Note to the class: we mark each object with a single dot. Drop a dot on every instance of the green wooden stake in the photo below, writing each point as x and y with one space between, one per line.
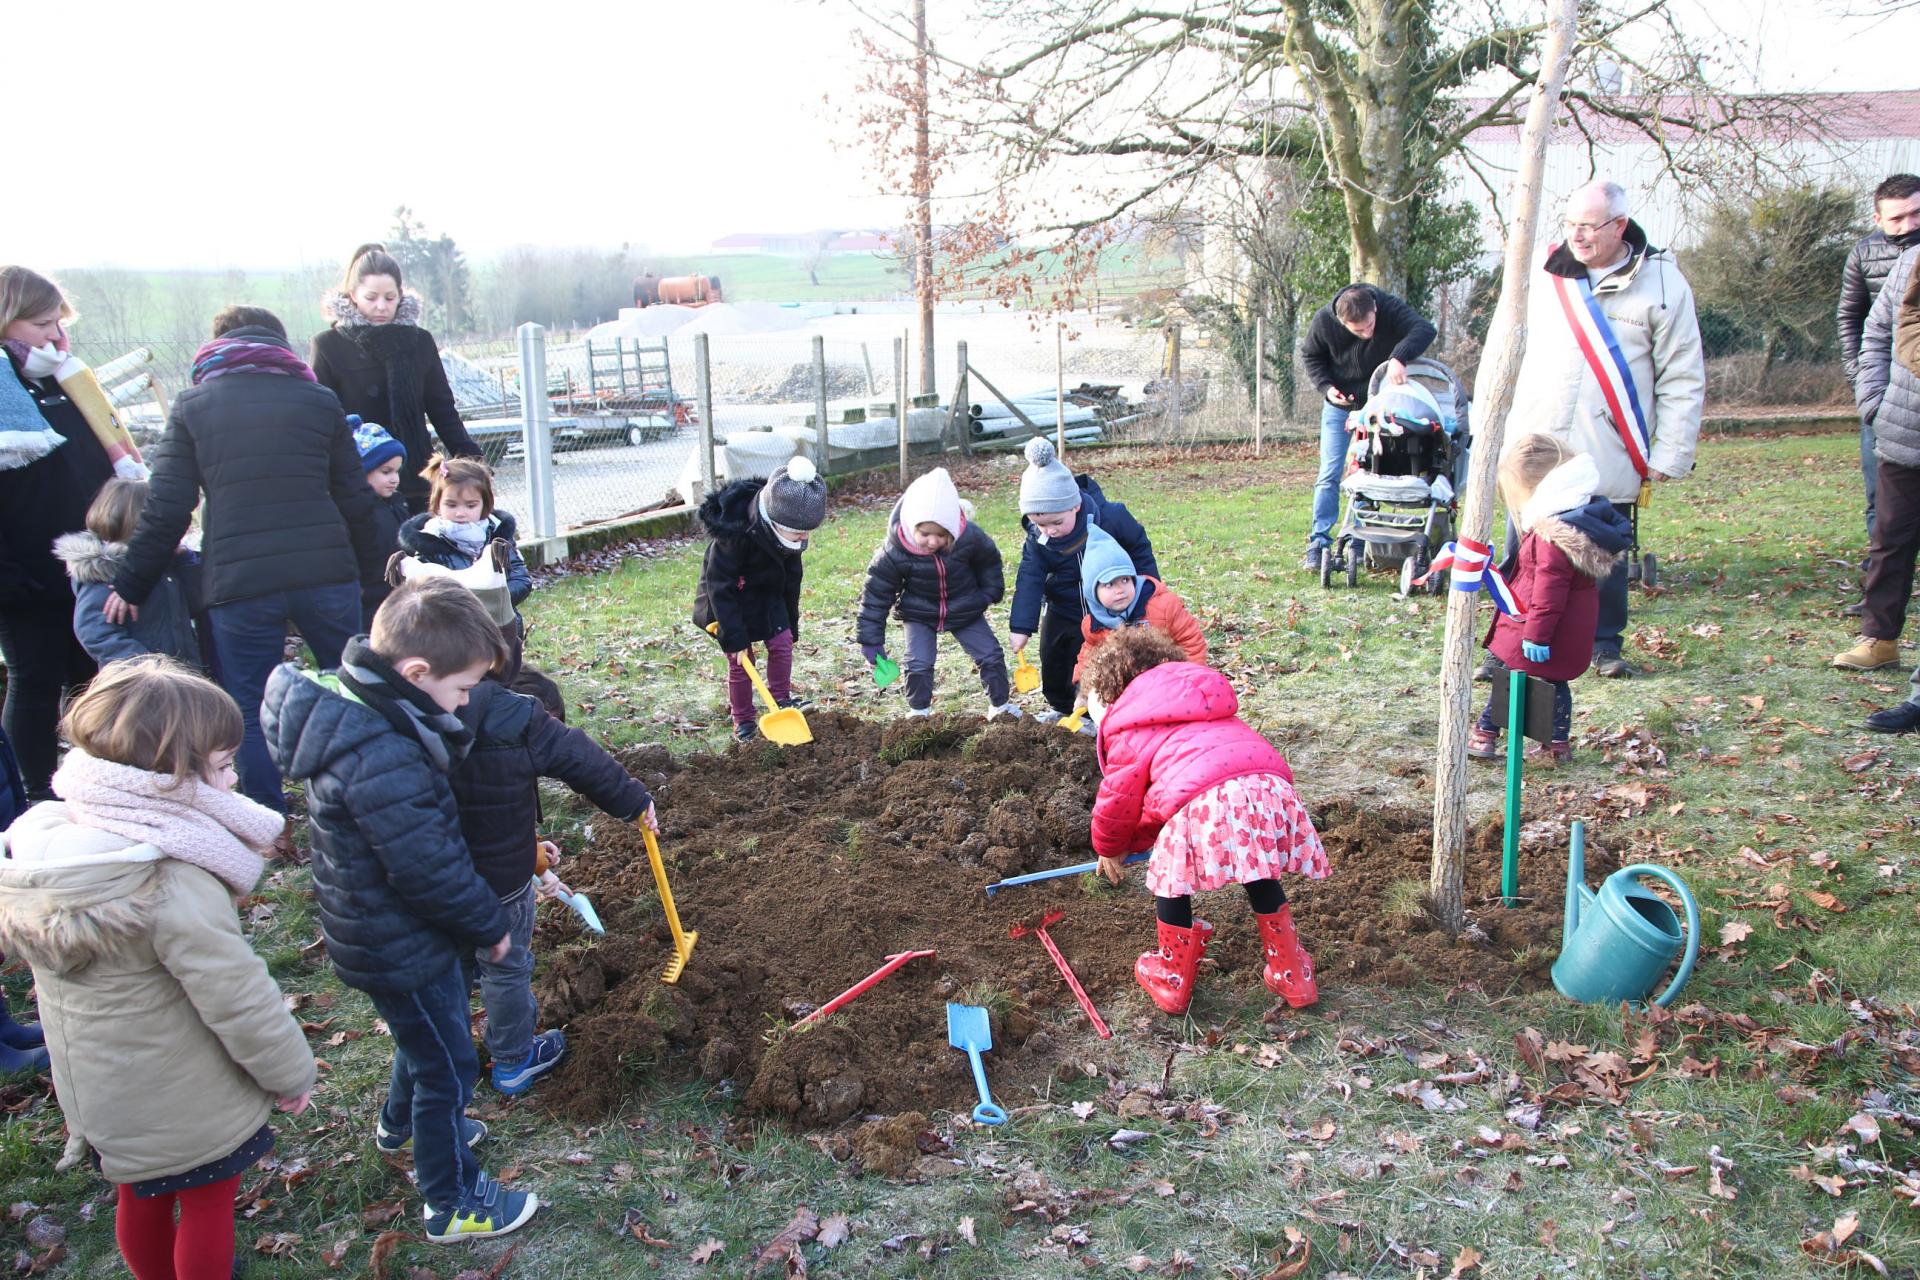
1516 747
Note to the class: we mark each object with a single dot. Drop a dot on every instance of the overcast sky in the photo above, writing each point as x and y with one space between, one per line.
264 136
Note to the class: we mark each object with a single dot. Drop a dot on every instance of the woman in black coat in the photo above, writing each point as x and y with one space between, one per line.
47 481
386 368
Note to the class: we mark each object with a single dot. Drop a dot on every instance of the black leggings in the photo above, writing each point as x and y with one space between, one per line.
1265 896
45 665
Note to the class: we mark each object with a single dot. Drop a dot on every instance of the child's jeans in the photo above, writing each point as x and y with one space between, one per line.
977 641
778 675
434 1068
1562 709
506 987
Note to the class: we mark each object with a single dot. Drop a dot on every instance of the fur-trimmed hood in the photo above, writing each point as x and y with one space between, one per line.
1594 537
342 314
728 512
87 558
69 894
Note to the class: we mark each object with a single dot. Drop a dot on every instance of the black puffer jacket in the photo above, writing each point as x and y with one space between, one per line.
44 499
399 898
749 582
516 743
388 515
1860 281
944 591
416 541
287 500
348 360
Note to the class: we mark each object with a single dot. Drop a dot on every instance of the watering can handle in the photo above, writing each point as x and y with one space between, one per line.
1679 886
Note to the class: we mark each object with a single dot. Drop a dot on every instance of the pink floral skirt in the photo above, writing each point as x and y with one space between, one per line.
1244 829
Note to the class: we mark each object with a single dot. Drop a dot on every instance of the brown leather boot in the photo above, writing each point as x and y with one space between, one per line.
1868 655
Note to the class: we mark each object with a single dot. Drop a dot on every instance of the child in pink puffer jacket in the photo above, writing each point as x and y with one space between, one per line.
1183 773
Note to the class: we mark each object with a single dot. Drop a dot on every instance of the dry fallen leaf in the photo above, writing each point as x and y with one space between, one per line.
707 1251
805 1225
1286 1265
1467 1260
1865 1125
966 1231
834 1231
1823 899
1734 932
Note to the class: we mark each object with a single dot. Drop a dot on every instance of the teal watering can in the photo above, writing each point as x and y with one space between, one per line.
1619 941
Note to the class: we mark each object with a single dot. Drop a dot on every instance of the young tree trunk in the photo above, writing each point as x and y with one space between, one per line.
1493 397
923 196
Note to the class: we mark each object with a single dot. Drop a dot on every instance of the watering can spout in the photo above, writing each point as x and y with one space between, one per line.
1577 892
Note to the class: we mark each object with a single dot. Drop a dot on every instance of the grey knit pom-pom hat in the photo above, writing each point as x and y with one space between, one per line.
796 496
1046 486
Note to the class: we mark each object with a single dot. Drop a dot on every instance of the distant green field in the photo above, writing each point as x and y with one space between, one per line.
171 310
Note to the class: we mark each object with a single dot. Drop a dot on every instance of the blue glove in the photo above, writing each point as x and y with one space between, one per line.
1535 652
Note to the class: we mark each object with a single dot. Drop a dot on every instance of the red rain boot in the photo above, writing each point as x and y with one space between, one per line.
1289 972
1167 974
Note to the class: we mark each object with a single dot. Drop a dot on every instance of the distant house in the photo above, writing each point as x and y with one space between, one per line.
1847 139
802 243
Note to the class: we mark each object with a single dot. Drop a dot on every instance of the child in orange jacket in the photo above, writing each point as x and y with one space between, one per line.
1117 595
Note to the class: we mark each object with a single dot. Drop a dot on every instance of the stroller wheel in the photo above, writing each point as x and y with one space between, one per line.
1326 566
1356 551
1649 571
1410 569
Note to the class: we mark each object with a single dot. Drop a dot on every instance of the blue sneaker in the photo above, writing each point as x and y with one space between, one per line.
392 1143
489 1210
548 1048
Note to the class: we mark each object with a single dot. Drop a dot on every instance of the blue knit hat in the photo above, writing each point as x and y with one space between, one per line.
1101 562
373 442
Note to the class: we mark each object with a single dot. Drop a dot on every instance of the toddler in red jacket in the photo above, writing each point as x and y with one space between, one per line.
1570 542
1183 773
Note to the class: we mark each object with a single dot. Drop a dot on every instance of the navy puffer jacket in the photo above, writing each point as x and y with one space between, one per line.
501 527
398 894
1050 570
944 591
515 744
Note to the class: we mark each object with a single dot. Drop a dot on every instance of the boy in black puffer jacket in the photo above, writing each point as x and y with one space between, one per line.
749 590
937 571
1056 507
401 905
516 743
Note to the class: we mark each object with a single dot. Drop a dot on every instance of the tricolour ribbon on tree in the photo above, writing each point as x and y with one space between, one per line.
1473 568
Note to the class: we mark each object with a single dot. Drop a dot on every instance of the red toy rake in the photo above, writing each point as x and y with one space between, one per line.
860 987
1066 970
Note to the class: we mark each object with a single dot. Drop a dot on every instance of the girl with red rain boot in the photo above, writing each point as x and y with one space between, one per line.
1183 773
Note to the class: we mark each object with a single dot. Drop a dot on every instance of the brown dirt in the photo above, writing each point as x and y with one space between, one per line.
803 868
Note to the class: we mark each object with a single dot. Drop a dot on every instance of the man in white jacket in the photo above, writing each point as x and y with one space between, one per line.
1605 266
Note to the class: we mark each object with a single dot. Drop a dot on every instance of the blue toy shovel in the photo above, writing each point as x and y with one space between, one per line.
967 1029
577 902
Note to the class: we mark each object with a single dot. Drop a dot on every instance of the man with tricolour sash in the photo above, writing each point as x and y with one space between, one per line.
1613 367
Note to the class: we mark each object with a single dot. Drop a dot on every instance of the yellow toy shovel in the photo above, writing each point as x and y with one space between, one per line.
1072 723
783 725
1026 676
682 941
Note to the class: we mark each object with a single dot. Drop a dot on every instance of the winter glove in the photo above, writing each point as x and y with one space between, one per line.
873 652
1535 652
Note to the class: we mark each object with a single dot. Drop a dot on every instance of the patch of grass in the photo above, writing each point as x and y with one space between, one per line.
1405 901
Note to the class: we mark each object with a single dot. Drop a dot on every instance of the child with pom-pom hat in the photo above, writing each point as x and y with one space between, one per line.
1056 510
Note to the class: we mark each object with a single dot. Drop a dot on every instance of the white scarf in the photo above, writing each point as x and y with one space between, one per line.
1567 487
471 538
779 537
43 362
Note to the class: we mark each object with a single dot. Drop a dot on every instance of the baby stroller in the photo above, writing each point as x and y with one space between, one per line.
1405 465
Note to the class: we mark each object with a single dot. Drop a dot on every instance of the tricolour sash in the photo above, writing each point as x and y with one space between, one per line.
1601 349
1472 565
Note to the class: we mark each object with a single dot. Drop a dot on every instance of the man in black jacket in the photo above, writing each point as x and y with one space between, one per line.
1896 221
289 524
1362 328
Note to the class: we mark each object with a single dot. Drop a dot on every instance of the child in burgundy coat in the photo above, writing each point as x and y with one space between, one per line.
1214 799
1571 540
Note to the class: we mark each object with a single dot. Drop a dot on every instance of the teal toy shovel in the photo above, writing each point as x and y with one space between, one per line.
967 1029
885 672
584 909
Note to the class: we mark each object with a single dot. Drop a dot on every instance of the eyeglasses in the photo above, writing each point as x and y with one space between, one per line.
1588 227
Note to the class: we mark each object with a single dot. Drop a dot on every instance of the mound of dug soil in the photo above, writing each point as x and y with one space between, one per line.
804 868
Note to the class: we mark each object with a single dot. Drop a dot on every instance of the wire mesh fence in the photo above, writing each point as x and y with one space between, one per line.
625 404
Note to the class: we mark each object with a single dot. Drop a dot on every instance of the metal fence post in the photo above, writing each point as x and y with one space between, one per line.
1060 388
900 400
963 398
703 392
536 433
1259 380
1173 376
820 403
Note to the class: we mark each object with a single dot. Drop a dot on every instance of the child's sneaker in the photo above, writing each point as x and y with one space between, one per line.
548 1048
1559 750
794 702
919 713
1046 715
746 731
1483 744
1007 709
490 1210
393 1143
